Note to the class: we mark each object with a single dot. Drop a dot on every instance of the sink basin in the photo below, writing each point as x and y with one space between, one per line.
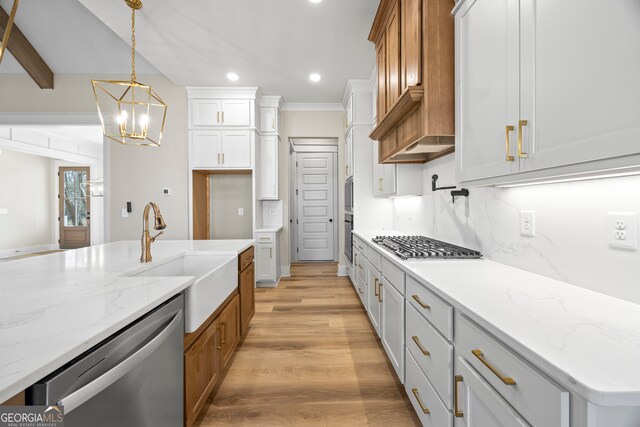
216 278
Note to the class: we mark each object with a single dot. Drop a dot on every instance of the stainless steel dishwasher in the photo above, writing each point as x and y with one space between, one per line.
132 379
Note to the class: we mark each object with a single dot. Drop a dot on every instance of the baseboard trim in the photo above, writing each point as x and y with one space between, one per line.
6 253
286 270
268 284
342 270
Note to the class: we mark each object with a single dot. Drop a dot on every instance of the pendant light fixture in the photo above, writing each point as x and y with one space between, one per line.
131 113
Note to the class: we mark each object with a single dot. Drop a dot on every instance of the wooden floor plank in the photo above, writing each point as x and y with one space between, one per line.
311 358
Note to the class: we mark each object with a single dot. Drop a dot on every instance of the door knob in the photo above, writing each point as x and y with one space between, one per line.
330 220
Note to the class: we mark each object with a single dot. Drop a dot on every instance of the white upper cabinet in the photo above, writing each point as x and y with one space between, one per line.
390 180
348 155
219 112
220 149
268 120
541 96
269 167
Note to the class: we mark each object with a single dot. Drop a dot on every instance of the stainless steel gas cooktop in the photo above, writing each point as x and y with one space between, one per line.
420 247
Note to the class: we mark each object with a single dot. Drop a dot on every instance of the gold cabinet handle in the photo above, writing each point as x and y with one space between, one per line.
376 290
422 349
346 170
379 291
419 301
416 393
456 397
521 154
270 252
223 117
380 184
503 378
510 158
223 158
273 124
224 333
217 116
218 158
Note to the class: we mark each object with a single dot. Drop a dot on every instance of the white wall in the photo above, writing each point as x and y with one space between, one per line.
228 193
135 174
312 124
570 242
25 183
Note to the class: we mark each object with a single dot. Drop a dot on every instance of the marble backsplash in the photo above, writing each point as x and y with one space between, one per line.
570 220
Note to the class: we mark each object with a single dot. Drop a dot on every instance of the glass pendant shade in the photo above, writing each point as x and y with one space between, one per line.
131 113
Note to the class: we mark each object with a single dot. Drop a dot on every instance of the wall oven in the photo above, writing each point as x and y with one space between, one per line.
348 238
348 195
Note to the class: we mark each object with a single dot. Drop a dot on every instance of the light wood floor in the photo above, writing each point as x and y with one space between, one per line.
311 358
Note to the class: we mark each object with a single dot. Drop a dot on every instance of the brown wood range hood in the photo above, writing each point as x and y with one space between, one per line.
415 60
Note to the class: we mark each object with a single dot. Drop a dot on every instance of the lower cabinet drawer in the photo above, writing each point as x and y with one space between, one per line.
265 237
425 401
431 351
432 307
393 274
536 397
374 257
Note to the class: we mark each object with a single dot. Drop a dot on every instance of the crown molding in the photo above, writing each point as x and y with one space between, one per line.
299 106
271 101
355 86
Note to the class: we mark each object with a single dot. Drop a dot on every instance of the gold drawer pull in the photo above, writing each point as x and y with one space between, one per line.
379 291
510 158
456 397
416 393
422 349
224 333
419 301
521 154
218 117
376 290
503 378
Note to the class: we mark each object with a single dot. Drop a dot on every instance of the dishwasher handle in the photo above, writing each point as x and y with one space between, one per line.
80 396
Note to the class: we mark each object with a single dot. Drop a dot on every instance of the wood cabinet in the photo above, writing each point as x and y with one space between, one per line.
229 320
246 286
220 149
415 92
201 370
537 96
219 112
268 167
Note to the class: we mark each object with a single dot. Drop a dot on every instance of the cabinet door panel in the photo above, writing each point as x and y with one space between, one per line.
411 21
204 112
580 87
393 326
265 262
487 82
247 298
201 367
268 119
392 36
348 155
269 167
378 173
205 149
236 112
375 313
236 149
229 330
482 406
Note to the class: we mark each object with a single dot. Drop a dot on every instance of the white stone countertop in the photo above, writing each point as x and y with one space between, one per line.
587 341
55 307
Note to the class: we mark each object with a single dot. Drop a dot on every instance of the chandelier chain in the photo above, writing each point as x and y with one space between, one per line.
133 44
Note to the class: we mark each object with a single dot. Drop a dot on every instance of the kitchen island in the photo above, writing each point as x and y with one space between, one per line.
55 307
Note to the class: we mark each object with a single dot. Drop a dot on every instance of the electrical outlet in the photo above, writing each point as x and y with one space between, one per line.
241 211
125 214
527 223
622 230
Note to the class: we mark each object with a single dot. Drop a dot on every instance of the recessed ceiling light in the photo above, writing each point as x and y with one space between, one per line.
315 1
233 77
315 77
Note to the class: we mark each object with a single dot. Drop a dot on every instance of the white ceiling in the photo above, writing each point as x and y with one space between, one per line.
71 40
274 44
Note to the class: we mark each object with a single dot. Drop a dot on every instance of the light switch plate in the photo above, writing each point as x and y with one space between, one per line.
622 230
241 211
125 214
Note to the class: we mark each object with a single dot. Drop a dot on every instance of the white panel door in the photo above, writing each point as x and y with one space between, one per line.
316 199
393 326
580 88
204 112
205 149
236 149
269 167
487 87
268 119
480 404
236 112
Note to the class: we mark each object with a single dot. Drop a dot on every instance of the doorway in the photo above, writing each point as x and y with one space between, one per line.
314 204
74 207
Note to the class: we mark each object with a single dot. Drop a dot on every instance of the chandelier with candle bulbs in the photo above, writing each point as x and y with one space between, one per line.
131 113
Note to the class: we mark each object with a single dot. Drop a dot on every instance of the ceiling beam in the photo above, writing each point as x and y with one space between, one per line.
26 54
